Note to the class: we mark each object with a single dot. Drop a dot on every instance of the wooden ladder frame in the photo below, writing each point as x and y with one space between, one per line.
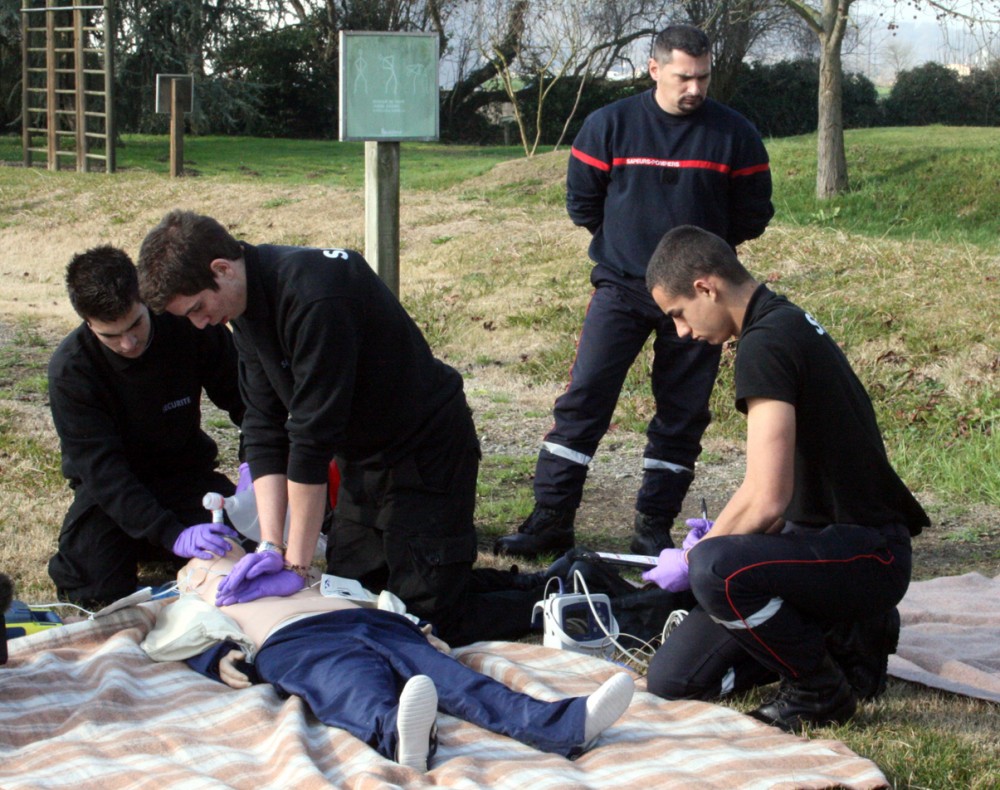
67 85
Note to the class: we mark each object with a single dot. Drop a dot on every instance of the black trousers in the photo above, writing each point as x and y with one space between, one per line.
619 320
409 528
767 602
97 561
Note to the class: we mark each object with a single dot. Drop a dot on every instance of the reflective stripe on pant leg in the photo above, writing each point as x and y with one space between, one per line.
650 464
566 453
664 486
701 660
612 336
776 593
754 620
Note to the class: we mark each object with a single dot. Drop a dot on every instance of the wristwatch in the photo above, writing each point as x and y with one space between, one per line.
266 545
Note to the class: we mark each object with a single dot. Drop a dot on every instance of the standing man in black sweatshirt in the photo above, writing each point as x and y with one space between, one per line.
125 392
332 367
669 156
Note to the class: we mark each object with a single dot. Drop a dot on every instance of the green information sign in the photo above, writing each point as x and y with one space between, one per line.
388 86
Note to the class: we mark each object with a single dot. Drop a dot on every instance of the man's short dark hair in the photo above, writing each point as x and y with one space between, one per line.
687 38
102 284
688 252
176 257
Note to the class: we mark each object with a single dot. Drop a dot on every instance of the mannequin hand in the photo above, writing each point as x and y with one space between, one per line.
203 541
230 675
671 571
698 527
244 481
280 584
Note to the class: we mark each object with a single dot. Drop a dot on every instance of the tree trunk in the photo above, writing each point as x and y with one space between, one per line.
831 158
463 98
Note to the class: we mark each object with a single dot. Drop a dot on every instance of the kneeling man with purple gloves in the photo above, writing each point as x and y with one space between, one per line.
798 578
125 392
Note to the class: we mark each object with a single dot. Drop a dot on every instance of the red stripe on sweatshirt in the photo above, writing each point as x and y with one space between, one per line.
650 161
749 171
587 159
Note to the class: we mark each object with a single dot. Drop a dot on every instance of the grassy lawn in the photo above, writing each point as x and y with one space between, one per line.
933 183
292 162
903 270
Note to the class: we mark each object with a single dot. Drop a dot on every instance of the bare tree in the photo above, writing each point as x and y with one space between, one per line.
899 56
559 39
829 21
326 18
734 27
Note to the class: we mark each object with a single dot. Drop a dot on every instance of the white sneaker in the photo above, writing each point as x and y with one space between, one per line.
414 721
606 705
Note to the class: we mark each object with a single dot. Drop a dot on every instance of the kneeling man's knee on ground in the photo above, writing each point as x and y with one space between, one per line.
710 565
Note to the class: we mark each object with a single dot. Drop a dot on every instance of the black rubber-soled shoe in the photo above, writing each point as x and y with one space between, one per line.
862 651
652 535
546 531
823 699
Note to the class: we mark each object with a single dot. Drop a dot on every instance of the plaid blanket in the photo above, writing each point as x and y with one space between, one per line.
81 706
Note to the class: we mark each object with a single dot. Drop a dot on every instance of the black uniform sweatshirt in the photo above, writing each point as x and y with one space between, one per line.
636 171
842 471
330 364
124 423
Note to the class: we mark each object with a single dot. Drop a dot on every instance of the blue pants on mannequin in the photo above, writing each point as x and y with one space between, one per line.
349 667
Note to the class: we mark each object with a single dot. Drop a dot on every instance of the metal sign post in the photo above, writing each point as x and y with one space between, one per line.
388 93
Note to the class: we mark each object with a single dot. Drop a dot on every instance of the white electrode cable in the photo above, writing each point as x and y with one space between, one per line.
637 656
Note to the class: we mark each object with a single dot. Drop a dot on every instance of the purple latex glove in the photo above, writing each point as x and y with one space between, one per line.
671 571
244 481
698 527
203 541
249 568
282 583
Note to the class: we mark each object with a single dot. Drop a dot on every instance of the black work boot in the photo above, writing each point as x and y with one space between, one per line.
825 697
862 650
652 535
546 531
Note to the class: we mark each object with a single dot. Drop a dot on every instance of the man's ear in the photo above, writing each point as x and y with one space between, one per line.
221 267
706 286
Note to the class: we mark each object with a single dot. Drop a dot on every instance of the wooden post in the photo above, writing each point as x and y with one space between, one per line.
382 210
80 91
176 130
26 35
51 97
110 160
